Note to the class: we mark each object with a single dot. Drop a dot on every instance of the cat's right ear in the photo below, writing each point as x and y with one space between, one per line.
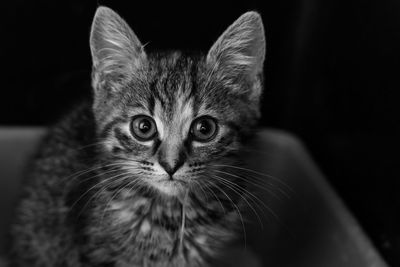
116 51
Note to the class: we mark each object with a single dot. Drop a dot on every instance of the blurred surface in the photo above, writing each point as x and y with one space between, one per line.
17 145
312 227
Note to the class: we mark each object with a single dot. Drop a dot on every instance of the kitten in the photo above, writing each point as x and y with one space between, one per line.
143 174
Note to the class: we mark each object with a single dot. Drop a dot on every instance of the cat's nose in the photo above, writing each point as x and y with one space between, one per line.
171 158
171 168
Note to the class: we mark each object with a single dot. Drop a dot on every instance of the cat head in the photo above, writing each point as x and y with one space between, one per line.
170 121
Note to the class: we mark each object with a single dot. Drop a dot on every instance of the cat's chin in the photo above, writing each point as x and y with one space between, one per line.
171 187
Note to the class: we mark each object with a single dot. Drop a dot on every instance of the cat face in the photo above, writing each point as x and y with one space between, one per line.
170 121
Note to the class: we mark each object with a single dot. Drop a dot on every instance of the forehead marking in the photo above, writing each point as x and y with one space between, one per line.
176 124
159 118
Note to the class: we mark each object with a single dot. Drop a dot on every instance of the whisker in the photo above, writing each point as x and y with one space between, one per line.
255 197
103 189
96 195
268 153
183 222
118 191
93 168
99 174
263 204
91 145
201 188
258 185
91 188
256 172
215 196
232 186
284 190
113 196
238 211
79 173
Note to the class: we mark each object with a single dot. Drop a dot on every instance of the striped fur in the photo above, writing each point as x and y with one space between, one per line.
125 210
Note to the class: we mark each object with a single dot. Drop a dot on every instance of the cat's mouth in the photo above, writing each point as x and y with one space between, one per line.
173 182
171 186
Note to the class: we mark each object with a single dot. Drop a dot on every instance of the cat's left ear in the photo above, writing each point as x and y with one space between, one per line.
240 50
116 50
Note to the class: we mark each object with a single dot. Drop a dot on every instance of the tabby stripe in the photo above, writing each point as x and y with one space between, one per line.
226 140
152 103
213 216
123 139
109 126
157 143
193 77
199 249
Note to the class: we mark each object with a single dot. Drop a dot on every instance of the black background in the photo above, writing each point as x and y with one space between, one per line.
332 78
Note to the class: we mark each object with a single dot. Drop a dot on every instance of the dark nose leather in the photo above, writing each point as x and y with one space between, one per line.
171 156
171 169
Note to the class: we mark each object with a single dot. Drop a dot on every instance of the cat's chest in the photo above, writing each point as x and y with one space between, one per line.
158 230
144 216
140 231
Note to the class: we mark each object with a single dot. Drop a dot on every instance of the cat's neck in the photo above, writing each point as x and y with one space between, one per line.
145 210
139 224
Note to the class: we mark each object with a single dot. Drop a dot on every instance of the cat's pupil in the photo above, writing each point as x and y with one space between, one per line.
144 126
204 127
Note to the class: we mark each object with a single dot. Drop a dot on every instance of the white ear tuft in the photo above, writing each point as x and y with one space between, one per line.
241 48
114 46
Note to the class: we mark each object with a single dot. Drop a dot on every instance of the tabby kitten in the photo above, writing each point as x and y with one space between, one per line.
142 175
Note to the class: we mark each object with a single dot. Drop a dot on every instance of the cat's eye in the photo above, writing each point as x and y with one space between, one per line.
143 128
204 129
